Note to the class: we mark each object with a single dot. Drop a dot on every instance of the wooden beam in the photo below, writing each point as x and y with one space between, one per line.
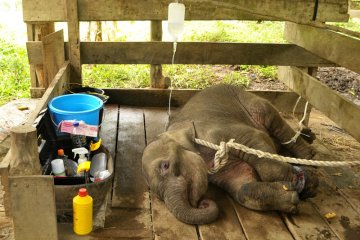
103 10
130 189
354 13
197 53
284 101
326 9
53 55
342 111
74 40
156 76
23 155
36 32
332 46
56 88
33 207
189 53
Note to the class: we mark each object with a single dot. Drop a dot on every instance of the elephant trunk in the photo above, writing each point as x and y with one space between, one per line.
176 200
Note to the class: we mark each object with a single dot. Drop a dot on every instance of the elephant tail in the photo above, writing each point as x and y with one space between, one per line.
177 201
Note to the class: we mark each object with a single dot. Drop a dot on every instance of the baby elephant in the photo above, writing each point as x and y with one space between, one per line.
176 168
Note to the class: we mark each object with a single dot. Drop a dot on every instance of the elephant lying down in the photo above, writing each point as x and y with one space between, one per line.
176 168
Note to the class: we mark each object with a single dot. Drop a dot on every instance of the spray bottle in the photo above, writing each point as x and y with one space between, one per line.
81 151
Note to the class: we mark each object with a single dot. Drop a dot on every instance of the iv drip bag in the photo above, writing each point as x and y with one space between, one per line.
176 16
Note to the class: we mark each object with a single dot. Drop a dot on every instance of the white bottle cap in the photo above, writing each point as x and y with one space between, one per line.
57 167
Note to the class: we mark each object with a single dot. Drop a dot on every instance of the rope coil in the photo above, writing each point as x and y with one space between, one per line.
221 158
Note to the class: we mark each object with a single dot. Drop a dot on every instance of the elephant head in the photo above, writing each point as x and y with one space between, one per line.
176 172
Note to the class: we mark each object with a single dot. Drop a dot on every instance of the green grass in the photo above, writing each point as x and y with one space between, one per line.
116 76
353 24
14 68
14 72
195 76
234 31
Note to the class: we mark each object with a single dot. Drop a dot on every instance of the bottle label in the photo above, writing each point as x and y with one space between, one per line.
68 126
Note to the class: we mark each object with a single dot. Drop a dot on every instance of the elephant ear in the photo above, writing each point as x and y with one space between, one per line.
182 133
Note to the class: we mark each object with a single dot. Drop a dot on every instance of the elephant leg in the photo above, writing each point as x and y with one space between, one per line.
270 170
239 180
282 132
265 196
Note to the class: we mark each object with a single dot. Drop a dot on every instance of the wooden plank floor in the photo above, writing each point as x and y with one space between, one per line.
137 214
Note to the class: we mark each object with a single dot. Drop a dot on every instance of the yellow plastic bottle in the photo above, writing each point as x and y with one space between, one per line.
83 211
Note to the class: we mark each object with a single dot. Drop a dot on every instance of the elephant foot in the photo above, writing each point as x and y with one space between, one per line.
267 196
305 182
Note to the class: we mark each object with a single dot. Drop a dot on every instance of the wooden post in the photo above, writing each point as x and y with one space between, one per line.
53 55
32 197
33 207
36 32
157 78
21 159
74 40
23 153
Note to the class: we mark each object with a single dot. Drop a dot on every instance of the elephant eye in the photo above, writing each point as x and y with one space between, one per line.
164 165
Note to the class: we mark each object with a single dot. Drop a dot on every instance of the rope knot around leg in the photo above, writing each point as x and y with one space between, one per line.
221 156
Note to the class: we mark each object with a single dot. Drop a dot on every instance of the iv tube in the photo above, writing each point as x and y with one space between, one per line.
176 16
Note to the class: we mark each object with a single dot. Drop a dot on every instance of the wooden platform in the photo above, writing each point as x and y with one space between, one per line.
137 214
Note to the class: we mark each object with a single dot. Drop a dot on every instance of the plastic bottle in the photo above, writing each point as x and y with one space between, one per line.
98 163
83 211
81 152
77 140
176 16
57 167
70 166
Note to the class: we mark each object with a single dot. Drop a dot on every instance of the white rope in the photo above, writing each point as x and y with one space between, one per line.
221 158
301 126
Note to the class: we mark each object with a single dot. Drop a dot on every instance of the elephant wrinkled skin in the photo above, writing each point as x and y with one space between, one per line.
176 168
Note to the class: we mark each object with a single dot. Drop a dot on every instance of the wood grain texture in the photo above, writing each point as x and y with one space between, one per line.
335 47
227 226
33 207
74 40
284 101
261 225
103 10
125 224
130 189
108 130
157 80
346 224
308 224
23 155
44 10
343 112
189 53
56 88
165 225
198 53
53 55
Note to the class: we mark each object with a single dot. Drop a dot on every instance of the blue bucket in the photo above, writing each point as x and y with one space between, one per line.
79 107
